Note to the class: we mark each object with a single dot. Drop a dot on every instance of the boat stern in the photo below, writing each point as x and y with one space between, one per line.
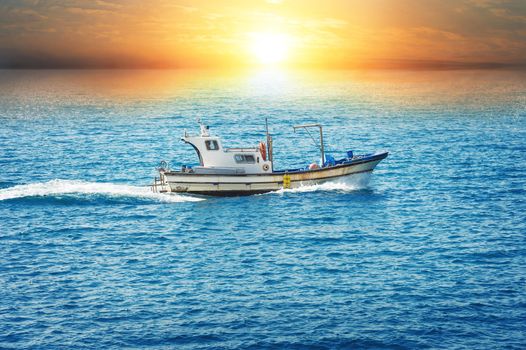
160 184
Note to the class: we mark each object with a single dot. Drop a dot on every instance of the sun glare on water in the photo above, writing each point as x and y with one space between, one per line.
269 48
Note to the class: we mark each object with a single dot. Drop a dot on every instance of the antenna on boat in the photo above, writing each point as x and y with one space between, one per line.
306 126
269 145
204 128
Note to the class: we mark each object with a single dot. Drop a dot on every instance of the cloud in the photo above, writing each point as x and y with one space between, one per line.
108 4
506 14
24 14
87 11
487 3
512 10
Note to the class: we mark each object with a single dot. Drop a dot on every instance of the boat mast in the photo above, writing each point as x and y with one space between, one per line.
306 126
269 145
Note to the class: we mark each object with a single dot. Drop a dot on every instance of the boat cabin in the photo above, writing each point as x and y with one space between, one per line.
216 159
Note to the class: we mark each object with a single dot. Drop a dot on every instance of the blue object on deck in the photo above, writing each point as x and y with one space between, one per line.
329 160
349 154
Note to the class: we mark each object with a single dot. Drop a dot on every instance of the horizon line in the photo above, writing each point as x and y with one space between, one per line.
374 64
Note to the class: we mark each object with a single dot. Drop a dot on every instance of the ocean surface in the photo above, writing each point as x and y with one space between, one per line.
430 253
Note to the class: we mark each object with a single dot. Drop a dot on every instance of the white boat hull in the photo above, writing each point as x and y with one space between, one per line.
247 184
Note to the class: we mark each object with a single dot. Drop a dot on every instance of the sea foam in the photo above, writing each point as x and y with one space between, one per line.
61 187
344 184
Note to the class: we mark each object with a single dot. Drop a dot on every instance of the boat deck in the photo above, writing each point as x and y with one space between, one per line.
341 162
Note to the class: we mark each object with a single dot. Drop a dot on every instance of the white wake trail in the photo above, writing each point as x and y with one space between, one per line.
59 187
346 184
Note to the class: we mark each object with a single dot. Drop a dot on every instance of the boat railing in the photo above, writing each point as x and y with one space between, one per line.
241 149
159 186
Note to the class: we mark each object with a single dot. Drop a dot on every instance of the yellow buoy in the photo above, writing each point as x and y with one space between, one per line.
286 181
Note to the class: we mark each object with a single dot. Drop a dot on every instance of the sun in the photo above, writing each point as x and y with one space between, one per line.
269 48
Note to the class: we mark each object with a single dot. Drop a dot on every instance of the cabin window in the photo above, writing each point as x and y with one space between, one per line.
211 145
244 159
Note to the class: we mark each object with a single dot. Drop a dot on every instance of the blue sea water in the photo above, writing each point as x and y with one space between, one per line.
431 253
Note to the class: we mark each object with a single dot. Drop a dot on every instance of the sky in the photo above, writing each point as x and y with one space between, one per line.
240 33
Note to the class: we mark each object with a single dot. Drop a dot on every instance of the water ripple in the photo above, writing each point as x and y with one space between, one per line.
428 252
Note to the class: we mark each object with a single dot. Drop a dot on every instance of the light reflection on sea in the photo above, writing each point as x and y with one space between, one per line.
429 254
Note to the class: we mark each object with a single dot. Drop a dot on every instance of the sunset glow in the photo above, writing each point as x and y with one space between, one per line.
235 33
269 48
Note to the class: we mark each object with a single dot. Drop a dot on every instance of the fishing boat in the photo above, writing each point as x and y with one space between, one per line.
244 171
